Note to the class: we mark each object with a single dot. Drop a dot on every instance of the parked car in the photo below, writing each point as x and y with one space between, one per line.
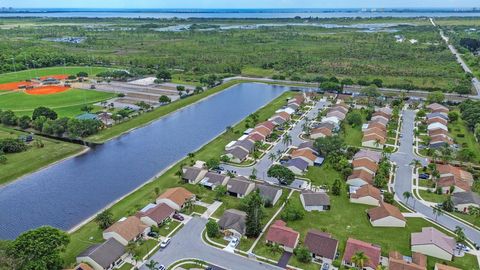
153 234
179 217
325 266
424 176
162 267
165 242
234 242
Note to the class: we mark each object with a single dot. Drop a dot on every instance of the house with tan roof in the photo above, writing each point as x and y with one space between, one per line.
432 242
377 125
437 120
441 110
439 141
126 230
396 261
440 266
386 215
83 266
240 187
239 154
379 119
359 178
262 131
337 114
365 164
454 176
176 198
256 137
267 124
321 132
322 246
213 180
367 194
373 252
155 214
278 233
339 109
383 114
193 175
436 107
369 154
375 130
233 223
305 154
374 140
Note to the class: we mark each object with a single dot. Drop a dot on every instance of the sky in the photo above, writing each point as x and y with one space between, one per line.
239 3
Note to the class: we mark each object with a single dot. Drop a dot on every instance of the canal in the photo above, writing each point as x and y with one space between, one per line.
65 194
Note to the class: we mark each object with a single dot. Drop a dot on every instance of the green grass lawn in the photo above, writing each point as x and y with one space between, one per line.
257 72
66 104
432 196
353 135
146 246
468 141
168 227
126 266
195 209
33 73
346 220
90 233
322 175
34 158
472 219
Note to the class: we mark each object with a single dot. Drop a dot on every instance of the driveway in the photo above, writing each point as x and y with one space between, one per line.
284 259
404 174
188 243
265 163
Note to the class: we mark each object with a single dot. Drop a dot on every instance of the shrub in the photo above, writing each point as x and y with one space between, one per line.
9 145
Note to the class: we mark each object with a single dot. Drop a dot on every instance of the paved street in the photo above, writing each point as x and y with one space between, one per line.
403 178
188 243
264 163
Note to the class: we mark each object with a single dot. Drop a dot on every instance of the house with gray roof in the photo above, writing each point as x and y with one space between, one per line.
233 223
463 200
307 145
297 165
102 256
237 154
193 175
269 193
240 187
213 180
315 201
441 115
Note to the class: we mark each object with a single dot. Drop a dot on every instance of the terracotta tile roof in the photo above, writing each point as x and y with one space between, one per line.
379 119
378 125
364 175
376 131
440 139
381 113
448 181
267 124
281 234
396 261
128 228
307 153
367 190
284 115
178 195
158 213
256 137
323 130
371 251
83 266
385 210
436 106
338 109
338 114
437 120
321 244
455 171
262 130
370 154
441 110
363 162
435 132
374 137
432 236
440 266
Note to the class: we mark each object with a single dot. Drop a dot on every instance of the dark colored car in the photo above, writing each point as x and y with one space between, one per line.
178 217
153 234
424 176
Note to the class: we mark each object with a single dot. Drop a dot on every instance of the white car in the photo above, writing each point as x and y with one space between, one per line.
234 242
165 242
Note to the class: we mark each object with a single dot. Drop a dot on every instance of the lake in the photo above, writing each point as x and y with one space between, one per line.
73 190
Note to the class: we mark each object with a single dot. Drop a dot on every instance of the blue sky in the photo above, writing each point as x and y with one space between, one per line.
236 3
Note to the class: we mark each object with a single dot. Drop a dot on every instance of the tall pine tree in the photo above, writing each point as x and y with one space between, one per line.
254 215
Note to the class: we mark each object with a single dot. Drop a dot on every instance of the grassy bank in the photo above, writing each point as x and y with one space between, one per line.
90 233
34 158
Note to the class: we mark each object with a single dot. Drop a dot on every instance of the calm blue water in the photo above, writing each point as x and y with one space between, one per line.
67 193
240 13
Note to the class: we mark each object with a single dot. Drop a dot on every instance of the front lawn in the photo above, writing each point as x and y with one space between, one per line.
432 196
168 227
145 247
323 175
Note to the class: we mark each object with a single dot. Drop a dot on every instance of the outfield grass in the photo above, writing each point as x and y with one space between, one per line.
90 232
66 104
33 73
34 158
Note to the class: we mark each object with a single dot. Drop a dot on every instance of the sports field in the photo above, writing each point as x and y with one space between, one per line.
66 103
43 72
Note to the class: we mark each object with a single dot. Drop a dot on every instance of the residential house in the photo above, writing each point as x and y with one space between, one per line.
439 266
463 200
193 175
155 214
369 154
277 120
320 133
396 261
256 137
383 114
365 164
442 115
432 242
176 197
437 119
269 193
267 124
437 125
239 187
337 114
232 223
454 176
379 119
297 165
374 140
436 132
280 234
315 201
246 144
83 266
106 255
373 252
213 180
367 194
306 155
126 230
328 125
437 107
238 154
291 109
440 141
321 245
386 215
359 178
307 145
376 125
332 120
263 131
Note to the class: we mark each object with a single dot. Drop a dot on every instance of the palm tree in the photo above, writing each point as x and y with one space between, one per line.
272 157
287 139
360 259
407 195
416 163
459 234
152 265
474 211
437 212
